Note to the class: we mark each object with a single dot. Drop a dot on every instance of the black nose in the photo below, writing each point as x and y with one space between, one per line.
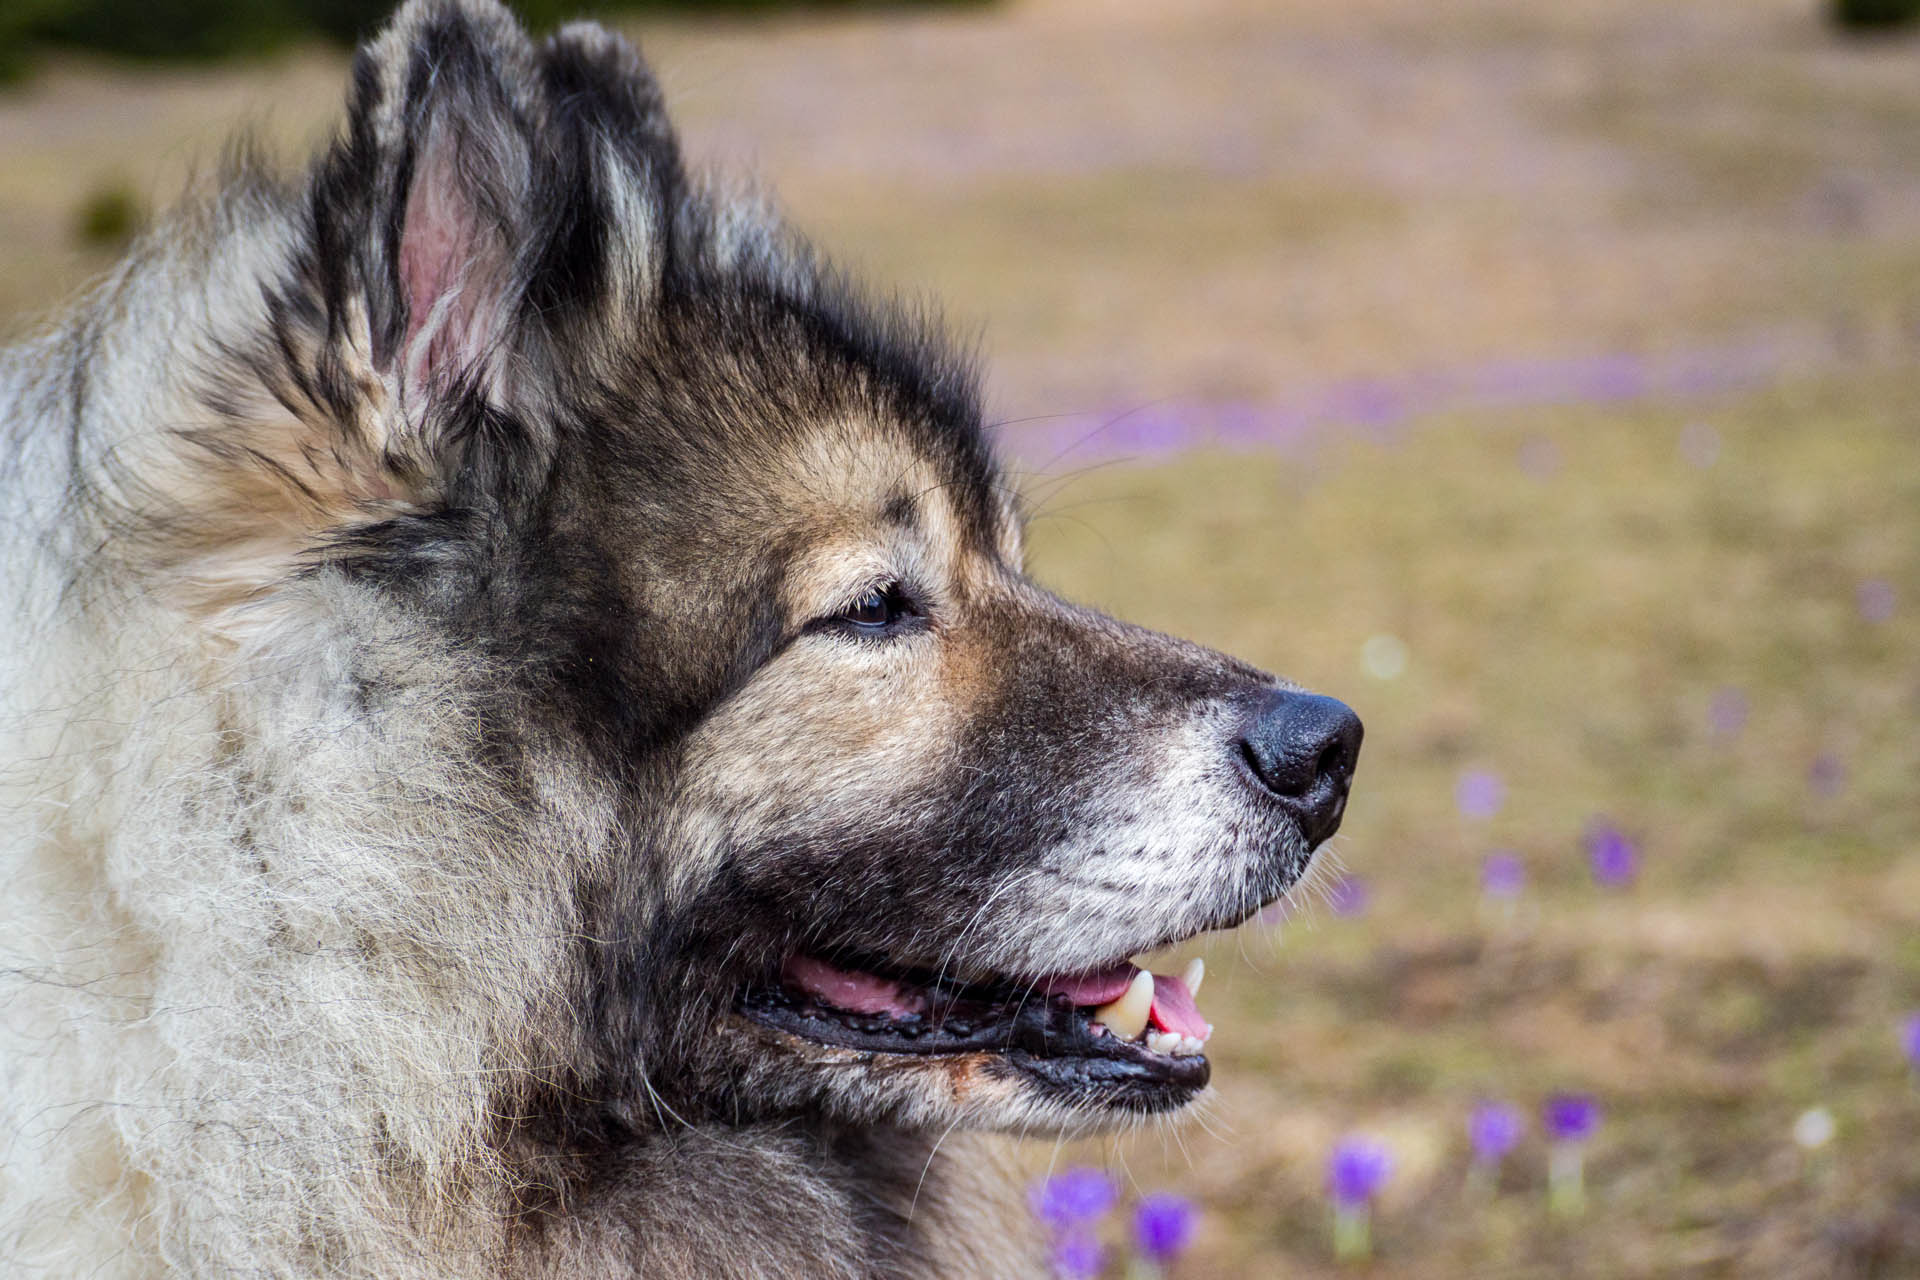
1302 747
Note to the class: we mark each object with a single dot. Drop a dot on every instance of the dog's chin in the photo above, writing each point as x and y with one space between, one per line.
988 1091
898 1044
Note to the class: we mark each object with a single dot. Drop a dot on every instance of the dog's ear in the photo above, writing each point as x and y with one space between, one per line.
428 195
618 184
391 330
420 218
628 219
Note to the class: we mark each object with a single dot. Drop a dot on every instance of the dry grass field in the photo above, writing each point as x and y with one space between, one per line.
1570 347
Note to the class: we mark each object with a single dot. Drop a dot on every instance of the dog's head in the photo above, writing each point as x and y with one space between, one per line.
720 593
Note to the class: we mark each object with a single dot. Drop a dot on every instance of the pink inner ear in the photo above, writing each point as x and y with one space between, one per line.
428 249
441 245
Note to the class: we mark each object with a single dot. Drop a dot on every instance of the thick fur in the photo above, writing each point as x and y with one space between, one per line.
427 706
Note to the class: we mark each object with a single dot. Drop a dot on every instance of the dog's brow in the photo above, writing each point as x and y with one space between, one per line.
903 509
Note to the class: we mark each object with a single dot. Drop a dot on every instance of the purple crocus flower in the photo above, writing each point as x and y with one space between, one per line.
1623 376
1495 1129
1727 713
1874 599
1479 793
1613 856
1347 896
1910 1040
1153 430
1163 1225
1364 402
1356 1172
1503 875
1826 775
1073 1198
1570 1117
1077 1255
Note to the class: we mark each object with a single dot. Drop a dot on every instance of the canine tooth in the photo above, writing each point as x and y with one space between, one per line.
1127 1016
1193 974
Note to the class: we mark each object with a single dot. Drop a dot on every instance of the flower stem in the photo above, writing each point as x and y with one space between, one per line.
1481 1180
1566 1181
1351 1237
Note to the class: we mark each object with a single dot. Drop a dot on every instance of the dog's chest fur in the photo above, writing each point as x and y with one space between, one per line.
780 1203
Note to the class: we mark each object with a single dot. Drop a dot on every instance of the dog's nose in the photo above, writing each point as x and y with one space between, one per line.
1302 747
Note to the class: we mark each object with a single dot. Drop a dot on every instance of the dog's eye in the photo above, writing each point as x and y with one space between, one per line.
873 609
879 612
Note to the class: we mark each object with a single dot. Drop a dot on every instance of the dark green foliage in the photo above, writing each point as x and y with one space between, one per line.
217 28
1873 14
347 22
20 21
172 28
107 218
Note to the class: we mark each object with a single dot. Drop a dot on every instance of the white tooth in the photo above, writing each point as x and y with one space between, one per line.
1127 1016
1192 975
1163 1042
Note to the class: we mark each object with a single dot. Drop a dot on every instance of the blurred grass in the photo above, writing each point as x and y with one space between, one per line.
1230 200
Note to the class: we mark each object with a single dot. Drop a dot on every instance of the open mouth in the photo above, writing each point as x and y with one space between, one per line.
1117 1035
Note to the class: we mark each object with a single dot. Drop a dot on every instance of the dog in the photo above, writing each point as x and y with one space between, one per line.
529 750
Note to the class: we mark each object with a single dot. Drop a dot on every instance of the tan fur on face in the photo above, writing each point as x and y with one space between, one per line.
828 718
834 487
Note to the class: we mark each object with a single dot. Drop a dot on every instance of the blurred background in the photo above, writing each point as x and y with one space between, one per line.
1540 379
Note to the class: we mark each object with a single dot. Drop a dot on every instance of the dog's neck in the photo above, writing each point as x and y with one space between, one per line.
799 1201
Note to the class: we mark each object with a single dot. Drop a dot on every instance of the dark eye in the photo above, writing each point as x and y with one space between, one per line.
875 609
881 613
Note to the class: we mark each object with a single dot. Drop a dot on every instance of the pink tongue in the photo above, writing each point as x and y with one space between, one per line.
1084 989
1174 1009
853 992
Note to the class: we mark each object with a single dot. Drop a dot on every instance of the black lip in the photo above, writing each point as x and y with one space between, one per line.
1044 1037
